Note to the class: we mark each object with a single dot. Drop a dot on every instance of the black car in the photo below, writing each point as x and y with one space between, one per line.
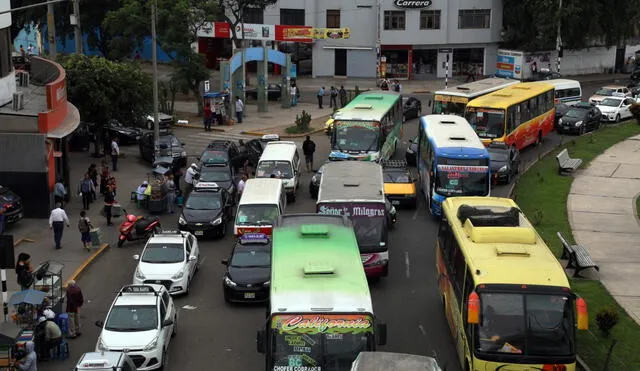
126 134
411 107
11 203
505 162
412 152
147 121
635 74
220 174
580 119
561 109
170 146
221 151
545 74
252 150
274 92
248 269
314 184
207 211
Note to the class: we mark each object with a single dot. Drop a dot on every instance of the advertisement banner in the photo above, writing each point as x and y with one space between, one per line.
256 31
302 34
323 323
219 30
509 64
331 33
57 95
353 210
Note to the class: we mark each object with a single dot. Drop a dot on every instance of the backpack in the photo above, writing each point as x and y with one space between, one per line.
85 187
83 225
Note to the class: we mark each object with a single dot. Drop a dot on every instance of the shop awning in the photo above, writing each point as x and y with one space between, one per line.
70 123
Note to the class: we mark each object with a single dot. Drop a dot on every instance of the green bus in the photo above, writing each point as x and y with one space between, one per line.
368 128
320 314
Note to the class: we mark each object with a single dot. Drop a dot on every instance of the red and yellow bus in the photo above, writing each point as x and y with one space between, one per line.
519 115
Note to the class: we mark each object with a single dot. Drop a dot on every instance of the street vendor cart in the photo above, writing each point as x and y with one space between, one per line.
219 103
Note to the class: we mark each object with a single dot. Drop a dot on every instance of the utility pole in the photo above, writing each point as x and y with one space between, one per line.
51 32
378 43
77 28
559 37
154 55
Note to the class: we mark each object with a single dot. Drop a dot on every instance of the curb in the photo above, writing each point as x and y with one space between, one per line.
285 136
512 186
582 363
78 272
21 240
196 127
421 92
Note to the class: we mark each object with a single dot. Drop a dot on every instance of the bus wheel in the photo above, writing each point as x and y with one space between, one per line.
539 139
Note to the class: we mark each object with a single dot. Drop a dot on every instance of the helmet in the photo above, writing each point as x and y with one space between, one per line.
194 165
131 218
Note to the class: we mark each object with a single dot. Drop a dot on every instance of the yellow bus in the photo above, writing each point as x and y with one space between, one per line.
518 115
506 297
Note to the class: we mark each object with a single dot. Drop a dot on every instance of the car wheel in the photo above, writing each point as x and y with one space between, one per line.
508 178
120 242
419 113
617 118
163 364
187 291
539 139
582 130
223 230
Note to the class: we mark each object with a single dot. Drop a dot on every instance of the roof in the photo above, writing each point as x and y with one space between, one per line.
317 266
612 87
168 237
351 181
452 131
512 94
99 360
371 105
563 83
386 361
278 151
478 88
261 191
503 254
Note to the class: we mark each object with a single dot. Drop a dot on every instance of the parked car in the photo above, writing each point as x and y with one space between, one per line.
580 119
170 146
274 92
561 110
248 269
505 162
12 205
411 107
126 134
616 108
609 91
147 121
412 151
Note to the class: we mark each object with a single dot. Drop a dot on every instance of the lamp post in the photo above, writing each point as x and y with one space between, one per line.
154 56
378 44
75 20
559 37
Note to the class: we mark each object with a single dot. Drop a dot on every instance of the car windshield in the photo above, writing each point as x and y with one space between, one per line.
280 169
576 113
487 122
531 324
396 177
257 214
605 92
462 177
163 253
214 157
498 155
219 175
448 108
611 102
356 136
130 318
204 201
247 257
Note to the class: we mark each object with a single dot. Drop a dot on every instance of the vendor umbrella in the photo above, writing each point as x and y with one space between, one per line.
33 297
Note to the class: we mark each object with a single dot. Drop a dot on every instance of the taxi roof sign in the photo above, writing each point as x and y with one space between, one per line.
96 363
207 185
249 238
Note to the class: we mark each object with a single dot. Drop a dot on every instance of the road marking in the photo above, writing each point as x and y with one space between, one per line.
189 307
202 260
424 333
406 262
415 214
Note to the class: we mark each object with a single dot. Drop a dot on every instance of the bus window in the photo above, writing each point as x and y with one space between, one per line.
512 122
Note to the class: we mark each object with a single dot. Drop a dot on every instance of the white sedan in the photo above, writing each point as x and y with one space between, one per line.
616 108
170 259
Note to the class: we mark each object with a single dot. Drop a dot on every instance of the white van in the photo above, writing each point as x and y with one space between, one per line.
568 91
262 202
281 160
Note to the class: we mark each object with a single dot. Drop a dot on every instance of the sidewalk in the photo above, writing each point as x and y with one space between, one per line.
601 208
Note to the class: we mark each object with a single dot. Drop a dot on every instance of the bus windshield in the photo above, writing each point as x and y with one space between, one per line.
319 342
527 324
257 214
456 177
448 108
357 136
488 123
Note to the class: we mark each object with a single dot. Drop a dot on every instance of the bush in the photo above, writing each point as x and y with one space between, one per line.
606 319
302 122
635 111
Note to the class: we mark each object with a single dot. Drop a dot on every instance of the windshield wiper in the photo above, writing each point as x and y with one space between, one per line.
250 266
124 329
161 261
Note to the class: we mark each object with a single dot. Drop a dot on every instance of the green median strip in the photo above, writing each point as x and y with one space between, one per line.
542 194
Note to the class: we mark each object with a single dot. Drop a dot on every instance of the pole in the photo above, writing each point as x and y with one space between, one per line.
559 37
154 54
446 72
5 300
378 42
77 28
51 32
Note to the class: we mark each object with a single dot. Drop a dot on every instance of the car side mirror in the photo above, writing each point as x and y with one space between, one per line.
260 341
136 257
382 334
224 261
193 258
99 324
167 322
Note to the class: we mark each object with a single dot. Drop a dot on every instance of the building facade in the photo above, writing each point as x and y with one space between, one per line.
35 119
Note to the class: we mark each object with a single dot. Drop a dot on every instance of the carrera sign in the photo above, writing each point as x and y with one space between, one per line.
412 4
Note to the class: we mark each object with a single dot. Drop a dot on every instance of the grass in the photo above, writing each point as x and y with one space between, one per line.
293 129
542 195
638 206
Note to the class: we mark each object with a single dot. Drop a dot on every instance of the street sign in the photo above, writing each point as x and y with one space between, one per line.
207 86
412 4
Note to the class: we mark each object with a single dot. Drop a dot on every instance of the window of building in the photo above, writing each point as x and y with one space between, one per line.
474 18
333 18
5 52
394 19
253 15
292 17
429 19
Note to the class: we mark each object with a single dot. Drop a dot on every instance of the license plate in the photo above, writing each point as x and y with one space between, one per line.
199 233
395 202
249 295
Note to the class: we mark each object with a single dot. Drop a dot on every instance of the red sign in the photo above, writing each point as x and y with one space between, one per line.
57 154
222 30
302 34
244 230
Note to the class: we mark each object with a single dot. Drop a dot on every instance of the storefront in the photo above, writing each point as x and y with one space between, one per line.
425 63
467 60
397 61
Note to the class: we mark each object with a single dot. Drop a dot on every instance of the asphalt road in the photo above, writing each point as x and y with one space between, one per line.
214 334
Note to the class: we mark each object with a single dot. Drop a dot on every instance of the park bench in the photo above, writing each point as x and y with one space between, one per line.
566 163
578 257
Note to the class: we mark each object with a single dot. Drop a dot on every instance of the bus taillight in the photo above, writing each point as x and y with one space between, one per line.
583 315
554 368
473 309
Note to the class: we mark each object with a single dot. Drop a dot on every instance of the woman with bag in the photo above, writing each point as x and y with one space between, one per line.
85 227
24 271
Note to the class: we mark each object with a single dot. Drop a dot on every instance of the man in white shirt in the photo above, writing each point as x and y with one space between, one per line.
239 109
57 220
189 177
241 183
115 152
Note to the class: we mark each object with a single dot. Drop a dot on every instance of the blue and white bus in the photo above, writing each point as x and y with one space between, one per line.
452 161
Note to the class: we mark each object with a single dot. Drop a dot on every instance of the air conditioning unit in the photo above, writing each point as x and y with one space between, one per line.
23 79
18 101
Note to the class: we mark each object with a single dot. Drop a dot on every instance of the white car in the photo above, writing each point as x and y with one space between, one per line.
142 320
616 108
609 91
170 259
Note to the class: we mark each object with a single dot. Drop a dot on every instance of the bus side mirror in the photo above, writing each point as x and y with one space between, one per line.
382 333
582 314
473 309
260 337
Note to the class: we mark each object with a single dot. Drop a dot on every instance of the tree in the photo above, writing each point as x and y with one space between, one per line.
236 9
104 90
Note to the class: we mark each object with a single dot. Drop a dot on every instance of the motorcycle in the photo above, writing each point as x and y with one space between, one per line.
135 228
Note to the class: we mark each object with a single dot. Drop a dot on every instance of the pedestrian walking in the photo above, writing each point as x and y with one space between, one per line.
333 97
75 300
84 227
294 95
308 148
104 176
170 188
320 96
189 176
115 153
109 200
24 272
239 109
22 51
207 117
343 96
57 220
59 192
86 190
471 73
93 175
31 49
